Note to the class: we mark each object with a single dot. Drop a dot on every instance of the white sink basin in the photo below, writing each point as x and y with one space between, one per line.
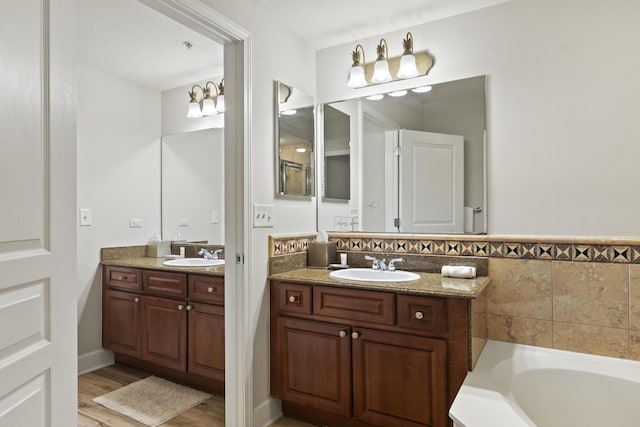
370 275
193 262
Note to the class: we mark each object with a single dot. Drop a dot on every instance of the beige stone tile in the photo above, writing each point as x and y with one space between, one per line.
591 293
479 305
520 330
634 345
520 288
634 296
599 340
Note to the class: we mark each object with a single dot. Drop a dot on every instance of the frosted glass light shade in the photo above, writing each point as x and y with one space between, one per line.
220 104
208 107
356 77
381 72
408 68
194 110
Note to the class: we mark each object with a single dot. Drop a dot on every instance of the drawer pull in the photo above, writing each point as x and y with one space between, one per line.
210 289
136 299
293 299
124 278
355 335
419 315
180 307
189 307
342 334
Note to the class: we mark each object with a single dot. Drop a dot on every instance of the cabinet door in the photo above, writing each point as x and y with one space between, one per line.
206 340
164 337
314 364
399 380
121 322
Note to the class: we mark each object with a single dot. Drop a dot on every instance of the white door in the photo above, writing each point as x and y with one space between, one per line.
38 303
431 188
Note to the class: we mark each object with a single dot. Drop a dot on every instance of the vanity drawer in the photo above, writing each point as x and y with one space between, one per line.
425 314
294 298
123 278
164 283
207 289
355 305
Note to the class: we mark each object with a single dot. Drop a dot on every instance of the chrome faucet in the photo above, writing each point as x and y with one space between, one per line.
377 264
392 265
209 255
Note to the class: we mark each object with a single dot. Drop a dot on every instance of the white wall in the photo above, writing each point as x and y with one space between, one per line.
275 55
562 108
118 178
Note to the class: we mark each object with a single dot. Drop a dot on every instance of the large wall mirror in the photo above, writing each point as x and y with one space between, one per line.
411 161
193 186
294 142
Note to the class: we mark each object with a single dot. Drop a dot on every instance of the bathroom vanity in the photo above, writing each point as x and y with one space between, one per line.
165 320
347 353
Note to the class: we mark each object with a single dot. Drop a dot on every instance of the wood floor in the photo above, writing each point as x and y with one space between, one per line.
208 414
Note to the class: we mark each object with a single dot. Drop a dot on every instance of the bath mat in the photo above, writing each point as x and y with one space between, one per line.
152 401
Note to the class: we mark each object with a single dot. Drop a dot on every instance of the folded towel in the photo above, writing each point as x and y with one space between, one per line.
459 271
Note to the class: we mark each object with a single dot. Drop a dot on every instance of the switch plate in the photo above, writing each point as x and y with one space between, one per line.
262 215
215 217
355 215
343 223
135 223
85 217
183 222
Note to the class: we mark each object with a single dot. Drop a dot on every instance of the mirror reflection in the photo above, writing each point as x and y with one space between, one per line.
193 186
415 161
294 140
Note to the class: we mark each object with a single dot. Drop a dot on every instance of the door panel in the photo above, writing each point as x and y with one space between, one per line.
122 322
38 314
431 182
206 340
164 329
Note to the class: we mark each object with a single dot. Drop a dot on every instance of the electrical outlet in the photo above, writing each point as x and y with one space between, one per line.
262 216
135 223
215 217
183 222
85 217
343 223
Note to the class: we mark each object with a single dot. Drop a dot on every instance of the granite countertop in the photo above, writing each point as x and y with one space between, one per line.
429 284
156 264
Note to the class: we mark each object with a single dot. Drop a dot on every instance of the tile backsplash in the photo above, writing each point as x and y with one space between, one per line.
578 294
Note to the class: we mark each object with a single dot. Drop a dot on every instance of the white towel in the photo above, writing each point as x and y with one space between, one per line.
459 271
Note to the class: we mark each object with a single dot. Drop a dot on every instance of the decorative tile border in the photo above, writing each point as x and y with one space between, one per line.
524 247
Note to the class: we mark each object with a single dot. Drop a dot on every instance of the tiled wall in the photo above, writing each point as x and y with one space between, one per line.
578 294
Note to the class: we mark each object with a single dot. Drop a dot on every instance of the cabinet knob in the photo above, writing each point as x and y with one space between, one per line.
124 277
293 299
189 307
342 334
210 289
180 307
355 335
419 315
136 299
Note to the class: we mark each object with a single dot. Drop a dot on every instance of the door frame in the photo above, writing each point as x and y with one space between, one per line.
237 42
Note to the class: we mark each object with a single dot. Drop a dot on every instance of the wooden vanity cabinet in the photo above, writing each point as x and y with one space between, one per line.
355 358
171 324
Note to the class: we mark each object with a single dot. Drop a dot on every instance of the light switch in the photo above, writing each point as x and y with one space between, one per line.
215 217
262 216
183 222
85 217
135 223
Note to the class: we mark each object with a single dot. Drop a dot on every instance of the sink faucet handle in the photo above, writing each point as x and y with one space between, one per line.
205 253
392 266
376 263
216 252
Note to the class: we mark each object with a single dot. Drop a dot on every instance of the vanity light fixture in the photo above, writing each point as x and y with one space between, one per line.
356 75
381 72
288 112
408 68
398 93
206 106
375 97
421 89
386 69
301 150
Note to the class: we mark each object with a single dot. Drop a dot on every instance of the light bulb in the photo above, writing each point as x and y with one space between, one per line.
356 77
408 68
194 111
208 107
381 72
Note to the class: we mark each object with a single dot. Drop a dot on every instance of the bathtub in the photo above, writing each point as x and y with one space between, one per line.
517 385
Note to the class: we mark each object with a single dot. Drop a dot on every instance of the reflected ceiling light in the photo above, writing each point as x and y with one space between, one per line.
375 97
206 106
422 89
301 150
356 75
381 72
398 93
408 68
288 112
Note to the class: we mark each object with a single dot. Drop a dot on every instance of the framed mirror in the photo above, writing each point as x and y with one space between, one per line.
416 161
294 142
192 186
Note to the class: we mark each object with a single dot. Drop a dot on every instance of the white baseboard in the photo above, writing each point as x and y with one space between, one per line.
94 360
267 412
